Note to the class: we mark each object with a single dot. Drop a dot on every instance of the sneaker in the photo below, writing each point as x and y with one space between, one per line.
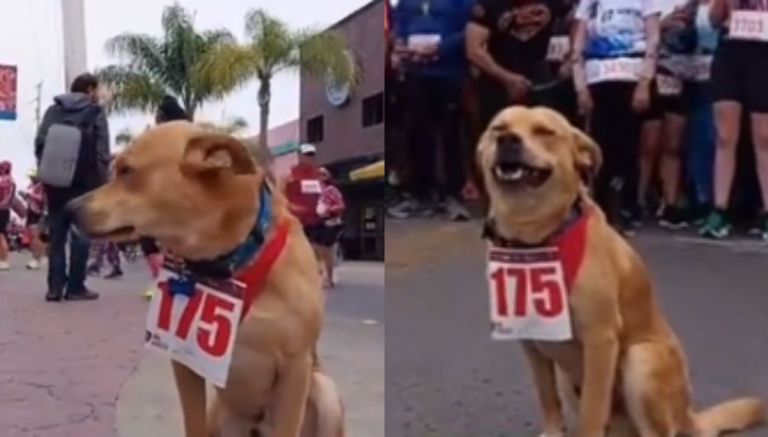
148 293
716 226
81 295
4 266
764 230
456 210
411 208
53 296
673 218
114 274
33 264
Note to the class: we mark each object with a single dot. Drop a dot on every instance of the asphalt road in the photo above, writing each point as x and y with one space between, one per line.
445 377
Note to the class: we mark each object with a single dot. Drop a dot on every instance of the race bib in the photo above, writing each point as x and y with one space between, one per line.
311 187
559 46
613 70
528 295
417 41
195 324
749 25
668 85
700 67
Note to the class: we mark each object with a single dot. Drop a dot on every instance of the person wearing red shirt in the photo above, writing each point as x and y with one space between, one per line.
330 208
7 196
303 190
35 198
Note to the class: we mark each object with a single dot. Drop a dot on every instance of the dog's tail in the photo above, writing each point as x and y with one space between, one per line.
324 396
733 415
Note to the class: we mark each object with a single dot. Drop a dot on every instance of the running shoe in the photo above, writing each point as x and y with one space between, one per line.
716 226
4 266
33 264
673 218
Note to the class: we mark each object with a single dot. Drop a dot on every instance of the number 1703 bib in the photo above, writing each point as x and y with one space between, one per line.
528 295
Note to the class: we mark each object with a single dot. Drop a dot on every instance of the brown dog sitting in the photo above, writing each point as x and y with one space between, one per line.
590 310
201 196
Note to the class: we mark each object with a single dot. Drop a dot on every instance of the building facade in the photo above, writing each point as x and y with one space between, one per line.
343 123
283 142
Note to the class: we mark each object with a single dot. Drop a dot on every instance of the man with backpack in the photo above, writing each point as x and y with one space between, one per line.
72 149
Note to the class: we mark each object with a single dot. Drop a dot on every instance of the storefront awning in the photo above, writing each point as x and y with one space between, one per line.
371 171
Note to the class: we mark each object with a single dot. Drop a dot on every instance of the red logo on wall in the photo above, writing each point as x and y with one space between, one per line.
8 85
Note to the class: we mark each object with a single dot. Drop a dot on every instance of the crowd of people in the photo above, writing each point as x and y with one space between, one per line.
72 149
665 88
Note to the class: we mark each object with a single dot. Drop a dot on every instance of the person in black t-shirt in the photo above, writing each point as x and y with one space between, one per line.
508 42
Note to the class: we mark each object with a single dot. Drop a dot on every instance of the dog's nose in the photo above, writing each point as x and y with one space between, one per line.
509 147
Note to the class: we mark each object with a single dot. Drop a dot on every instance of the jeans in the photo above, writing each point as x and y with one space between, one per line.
701 138
60 230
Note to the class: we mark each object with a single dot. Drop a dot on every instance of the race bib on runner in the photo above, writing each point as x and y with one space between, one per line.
613 70
559 46
749 25
700 67
668 85
196 327
417 41
311 187
528 295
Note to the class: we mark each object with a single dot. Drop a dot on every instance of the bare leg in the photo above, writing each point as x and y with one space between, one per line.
4 249
674 125
728 121
760 140
649 152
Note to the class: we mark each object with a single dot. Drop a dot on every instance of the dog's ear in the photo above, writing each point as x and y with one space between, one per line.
213 154
588 157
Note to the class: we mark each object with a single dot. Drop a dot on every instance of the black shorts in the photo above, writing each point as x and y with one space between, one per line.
739 71
323 235
33 218
148 246
5 220
667 97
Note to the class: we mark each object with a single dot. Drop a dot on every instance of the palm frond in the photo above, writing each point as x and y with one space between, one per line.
130 89
227 67
273 39
142 52
324 54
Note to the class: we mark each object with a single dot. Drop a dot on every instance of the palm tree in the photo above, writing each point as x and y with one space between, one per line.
272 47
170 65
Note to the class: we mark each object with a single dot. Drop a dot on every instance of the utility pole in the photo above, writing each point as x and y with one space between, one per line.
38 99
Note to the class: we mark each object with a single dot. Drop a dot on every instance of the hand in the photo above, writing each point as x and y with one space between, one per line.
566 69
517 87
425 52
585 102
641 100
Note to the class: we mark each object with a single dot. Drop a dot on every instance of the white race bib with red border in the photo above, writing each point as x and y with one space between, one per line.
748 25
613 70
559 46
311 186
421 40
197 331
528 295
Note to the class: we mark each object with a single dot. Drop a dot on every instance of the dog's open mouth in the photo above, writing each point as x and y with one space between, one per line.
518 174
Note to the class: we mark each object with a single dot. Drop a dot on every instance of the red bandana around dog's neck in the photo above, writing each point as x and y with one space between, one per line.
255 275
570 244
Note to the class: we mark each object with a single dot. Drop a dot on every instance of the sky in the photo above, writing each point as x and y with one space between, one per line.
107 18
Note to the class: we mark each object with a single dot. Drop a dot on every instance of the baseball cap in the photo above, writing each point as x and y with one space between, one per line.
307 149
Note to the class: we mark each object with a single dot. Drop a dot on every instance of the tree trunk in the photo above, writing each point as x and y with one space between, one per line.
264 101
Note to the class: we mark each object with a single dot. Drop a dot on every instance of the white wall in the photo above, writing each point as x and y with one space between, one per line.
31 39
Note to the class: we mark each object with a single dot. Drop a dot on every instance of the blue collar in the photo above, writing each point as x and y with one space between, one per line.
225 266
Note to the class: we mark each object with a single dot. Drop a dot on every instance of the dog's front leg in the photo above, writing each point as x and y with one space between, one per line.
191 389
292 392
546 386
601 349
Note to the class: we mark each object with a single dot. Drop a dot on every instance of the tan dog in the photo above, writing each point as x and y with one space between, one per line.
624 352
198 195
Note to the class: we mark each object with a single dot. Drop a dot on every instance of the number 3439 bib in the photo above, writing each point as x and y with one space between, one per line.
528 295
198 330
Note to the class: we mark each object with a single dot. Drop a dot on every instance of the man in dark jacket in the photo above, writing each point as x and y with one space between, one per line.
429 48
79 108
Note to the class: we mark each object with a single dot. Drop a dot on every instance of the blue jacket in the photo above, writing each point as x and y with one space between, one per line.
449 18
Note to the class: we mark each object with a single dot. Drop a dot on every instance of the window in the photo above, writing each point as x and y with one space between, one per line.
373 110
315 129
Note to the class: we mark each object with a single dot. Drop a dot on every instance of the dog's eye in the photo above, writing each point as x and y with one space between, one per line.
543 131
